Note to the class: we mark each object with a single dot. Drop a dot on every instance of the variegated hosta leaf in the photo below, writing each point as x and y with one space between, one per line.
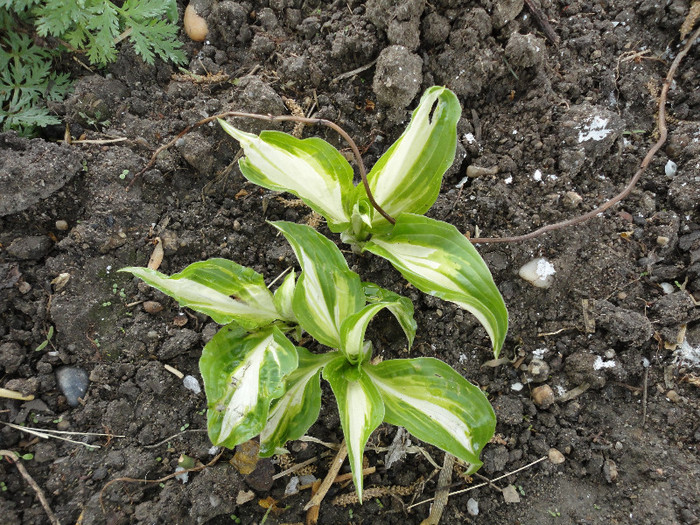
361 410
352 331
327 292
243 372
282 298
435 404
292 414
400 306
206 286
408 176
311 169
438 260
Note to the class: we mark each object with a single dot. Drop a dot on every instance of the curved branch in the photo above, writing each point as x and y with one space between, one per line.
663 134
278 118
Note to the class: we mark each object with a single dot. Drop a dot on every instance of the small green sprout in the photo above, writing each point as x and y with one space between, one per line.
45 342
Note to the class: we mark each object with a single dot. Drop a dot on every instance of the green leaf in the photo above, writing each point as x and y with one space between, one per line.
408 176
352 331
401 307
438 260
243 373
435 404
205 287
283 298
293 414
361 410
327 291
311 169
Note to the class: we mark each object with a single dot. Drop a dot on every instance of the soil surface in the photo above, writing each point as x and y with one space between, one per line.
602 369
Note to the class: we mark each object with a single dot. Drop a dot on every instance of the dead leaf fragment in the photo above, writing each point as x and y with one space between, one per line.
244 496
246 457
60 282
157 255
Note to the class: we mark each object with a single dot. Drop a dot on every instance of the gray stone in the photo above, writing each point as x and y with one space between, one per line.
73 382
183 341
398 76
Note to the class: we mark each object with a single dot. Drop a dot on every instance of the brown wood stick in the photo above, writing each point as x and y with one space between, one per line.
13 457
328 480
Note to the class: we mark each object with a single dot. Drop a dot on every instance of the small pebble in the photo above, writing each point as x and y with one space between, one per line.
516 387
538 272
610 471
61 225
152 307
73 382
292 487
473 507
479 171
673 396
538 370
191 383
572 199
671 168
184 477
556 457
543 396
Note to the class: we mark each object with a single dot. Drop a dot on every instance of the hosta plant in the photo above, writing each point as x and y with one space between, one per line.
258 382
388 219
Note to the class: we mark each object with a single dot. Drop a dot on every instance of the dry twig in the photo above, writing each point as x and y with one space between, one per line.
161 480
13 457
442 493
663 134
316 500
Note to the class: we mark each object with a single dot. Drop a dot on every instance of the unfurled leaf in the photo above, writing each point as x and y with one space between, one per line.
435 404
438 260
205 287
408 176
327 292
292 414
361 410
352 331
243 373
311 169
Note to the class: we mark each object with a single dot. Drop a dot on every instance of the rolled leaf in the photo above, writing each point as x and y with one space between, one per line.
408 176
292 414
311 169
435 404
361 410
327 292
400 306
352 331
243 373
282 298
205 287
438 260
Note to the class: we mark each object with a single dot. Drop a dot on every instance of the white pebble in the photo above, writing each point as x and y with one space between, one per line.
539 272
667 288
184 477
517 387
473 507
671 168
191 383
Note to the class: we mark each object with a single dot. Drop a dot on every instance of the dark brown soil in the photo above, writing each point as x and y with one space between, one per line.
621 303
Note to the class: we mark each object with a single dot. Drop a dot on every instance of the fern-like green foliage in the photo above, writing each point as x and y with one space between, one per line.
92 27
26 81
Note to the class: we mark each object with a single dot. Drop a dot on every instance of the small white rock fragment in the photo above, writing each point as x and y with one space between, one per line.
184 477
213 451
191 383
667 288
473 507
539 272
516 387
671 168
596 130
292 487
461 183
599 364
537 176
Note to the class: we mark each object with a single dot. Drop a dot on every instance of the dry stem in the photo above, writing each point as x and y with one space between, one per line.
663 134
328 480
13 457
